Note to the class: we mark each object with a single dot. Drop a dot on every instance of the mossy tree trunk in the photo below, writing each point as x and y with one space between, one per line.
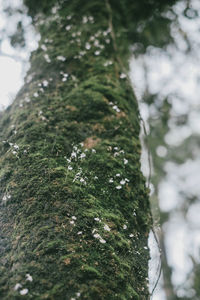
74 207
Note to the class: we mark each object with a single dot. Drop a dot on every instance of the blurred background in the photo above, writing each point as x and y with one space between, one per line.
165 72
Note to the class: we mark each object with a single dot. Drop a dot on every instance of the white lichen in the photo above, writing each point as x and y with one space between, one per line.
24 292
106 227
61 58
17 286
29 277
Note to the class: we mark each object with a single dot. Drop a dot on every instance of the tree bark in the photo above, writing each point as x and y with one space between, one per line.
74 207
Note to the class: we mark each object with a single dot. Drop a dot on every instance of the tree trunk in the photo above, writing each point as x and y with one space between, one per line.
74 207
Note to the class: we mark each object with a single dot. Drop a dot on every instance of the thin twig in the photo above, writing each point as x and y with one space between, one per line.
113 36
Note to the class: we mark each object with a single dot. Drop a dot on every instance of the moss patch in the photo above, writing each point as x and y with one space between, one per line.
74 211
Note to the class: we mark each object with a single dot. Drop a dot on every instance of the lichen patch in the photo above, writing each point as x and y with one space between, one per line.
91 142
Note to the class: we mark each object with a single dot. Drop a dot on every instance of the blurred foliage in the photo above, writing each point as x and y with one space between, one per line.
161 115
18 39
145 24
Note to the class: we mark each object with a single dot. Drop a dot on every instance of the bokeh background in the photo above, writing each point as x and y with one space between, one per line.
165 72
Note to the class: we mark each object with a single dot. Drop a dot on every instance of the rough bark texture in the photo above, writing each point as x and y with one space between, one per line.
74 207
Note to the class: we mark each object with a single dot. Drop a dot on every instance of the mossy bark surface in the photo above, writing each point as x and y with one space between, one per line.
74 207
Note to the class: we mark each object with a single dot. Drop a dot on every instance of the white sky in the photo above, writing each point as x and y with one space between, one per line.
12 70
10 79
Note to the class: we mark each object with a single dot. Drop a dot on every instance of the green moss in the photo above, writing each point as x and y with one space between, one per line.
61 168
90 272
